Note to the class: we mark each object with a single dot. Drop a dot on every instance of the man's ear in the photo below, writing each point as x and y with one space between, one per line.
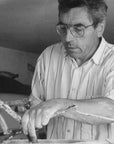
100 28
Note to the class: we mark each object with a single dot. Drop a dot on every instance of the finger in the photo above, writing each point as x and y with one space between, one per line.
38 119
24 122
31 127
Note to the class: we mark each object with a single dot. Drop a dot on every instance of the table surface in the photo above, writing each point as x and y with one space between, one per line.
24 141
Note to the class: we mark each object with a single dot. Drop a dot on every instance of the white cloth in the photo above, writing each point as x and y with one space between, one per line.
58 76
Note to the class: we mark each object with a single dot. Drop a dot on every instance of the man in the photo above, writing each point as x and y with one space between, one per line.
73 83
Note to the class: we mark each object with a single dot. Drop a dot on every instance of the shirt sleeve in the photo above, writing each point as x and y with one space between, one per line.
38 91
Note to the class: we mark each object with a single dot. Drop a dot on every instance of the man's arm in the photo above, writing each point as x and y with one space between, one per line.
94 111
39 115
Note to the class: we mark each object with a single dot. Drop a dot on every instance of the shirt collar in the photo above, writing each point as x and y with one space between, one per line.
98 54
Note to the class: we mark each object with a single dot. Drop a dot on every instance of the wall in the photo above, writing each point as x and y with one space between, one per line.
16 61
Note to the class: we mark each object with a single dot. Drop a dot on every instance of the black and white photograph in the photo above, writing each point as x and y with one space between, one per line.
57 71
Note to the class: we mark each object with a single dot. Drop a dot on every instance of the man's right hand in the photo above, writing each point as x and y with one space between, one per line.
39 115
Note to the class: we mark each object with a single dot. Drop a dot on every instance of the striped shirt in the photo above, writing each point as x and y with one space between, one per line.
57 75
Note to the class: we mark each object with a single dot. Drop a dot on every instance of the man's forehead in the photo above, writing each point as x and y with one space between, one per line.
75 16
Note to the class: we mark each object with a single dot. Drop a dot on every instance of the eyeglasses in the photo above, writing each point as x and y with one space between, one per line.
76 30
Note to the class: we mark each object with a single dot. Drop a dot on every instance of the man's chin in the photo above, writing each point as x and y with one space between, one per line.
71 55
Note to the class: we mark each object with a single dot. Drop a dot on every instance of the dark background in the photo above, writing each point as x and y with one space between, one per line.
29 25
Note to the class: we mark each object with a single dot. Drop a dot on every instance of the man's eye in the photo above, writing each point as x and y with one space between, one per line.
63 28
79 28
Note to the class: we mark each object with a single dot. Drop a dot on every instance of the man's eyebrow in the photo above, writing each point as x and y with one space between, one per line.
61 23
77 25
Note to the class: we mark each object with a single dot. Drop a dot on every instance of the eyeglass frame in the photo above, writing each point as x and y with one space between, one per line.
73 32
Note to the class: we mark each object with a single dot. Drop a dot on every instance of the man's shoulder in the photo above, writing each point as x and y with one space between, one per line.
52 56
54 49
110 49
110 46
54 46
52 52
109 54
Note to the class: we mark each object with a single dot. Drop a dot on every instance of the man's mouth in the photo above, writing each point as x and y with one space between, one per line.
72 49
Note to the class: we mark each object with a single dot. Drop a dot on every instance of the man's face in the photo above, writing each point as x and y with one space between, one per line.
79 47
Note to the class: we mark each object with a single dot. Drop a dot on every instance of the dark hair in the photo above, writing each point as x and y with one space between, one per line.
97 9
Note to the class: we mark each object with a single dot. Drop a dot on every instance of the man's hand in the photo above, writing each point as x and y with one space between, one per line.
39 115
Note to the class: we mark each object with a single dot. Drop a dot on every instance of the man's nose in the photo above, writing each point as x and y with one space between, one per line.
69 36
